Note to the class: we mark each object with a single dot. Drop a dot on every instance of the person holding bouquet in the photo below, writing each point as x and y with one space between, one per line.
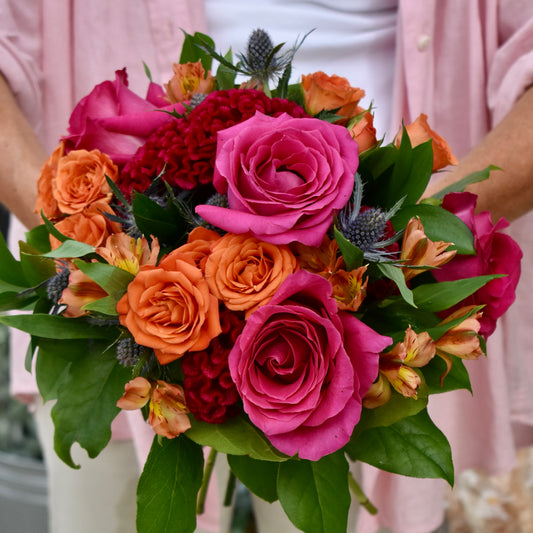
408 64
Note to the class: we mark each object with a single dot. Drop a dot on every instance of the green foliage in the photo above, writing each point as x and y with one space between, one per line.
315 495
169 483
260 477
352 255
413 447
236 436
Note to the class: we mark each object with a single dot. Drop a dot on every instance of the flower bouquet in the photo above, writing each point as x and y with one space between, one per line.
252 268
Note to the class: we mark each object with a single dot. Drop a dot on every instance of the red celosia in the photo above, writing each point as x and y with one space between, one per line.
185 148
210 393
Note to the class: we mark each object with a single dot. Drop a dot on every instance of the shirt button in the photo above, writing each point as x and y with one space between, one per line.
423 42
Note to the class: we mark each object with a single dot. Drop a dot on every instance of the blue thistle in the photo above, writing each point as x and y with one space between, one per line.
366 229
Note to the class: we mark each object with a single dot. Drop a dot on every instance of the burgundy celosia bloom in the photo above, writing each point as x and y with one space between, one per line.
185 148
210 393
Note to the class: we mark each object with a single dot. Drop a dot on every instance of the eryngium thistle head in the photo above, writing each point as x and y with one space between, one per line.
259 48
57 284
367 228
128 352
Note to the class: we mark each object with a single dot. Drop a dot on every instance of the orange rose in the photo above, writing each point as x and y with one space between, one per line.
169 308
80 180
198 246
188 79
420 132
323 92
45 197
91 226
363 130
244 272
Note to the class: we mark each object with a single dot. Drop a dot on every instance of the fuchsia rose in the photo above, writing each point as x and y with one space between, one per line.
115 120
301 368
497 253
285 178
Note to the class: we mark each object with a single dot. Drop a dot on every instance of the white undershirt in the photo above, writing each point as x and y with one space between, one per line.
351 38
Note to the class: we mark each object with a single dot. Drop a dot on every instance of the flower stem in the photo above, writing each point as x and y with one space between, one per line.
230 489
362 498
209 464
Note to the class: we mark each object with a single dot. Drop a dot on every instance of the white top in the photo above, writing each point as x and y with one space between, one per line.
365 29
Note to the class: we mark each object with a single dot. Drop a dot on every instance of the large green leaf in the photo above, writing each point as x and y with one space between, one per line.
457 377
57 327
36 267
236 436
439 225
260 477
412 447
11 271
315 494
192 49
71 248
460 185
352 255
445 294
168 487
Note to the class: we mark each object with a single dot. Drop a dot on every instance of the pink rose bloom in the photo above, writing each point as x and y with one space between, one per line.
285 178
115 120
497 253
301 368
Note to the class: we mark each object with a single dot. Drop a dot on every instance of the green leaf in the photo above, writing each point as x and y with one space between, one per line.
457 378
168 486
352 255
39 238
192 50
395 274
11 271
37 268
71 248
225 75
439 225
86 403
57 327
412 447
259 476
459 186
52 229
315 494
104 306
438 331
166 224
236 436
445 294
17 300
112 279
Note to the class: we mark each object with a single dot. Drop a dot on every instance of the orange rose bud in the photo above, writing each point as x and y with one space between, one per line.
323 92
461 340
91 226
46 201
420 132
244 272
127 253
363 131
418 251
136 394
189 79
168 411
80 180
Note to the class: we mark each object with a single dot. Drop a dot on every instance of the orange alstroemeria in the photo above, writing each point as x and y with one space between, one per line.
462 340
349 288
415 351
324 260
128 253
421 253
188 79
81 291
168 411
378 394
